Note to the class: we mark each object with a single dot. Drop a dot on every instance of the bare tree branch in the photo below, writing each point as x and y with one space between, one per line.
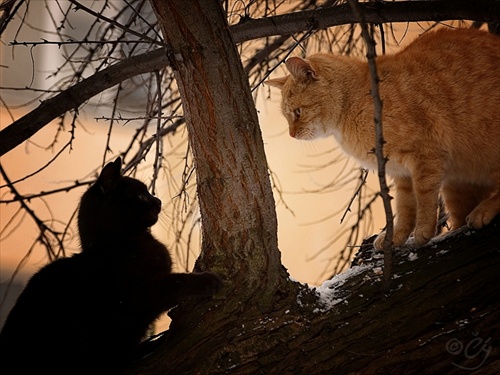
112 22
72 98
406 11
378 12
379 141
48 237
6 7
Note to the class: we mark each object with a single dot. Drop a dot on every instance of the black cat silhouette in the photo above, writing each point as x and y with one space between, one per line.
87 314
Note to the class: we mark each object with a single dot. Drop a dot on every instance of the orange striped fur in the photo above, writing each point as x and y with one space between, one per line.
441 122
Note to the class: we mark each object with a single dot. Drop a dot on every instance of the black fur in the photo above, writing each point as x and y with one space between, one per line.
87 314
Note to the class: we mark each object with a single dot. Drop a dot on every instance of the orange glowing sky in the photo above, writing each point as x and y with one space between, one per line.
302 231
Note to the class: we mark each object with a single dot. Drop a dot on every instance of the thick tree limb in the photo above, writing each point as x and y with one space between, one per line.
441 316
407 11
377 12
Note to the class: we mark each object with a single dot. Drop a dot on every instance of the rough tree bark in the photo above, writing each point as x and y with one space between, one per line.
440 316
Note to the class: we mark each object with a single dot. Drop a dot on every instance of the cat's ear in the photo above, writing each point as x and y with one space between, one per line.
276 82
111 173
300 69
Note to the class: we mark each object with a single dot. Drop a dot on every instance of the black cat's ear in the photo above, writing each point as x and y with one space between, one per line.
118 163
110 175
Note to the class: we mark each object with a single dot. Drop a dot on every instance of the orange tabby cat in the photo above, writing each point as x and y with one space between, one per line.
441 122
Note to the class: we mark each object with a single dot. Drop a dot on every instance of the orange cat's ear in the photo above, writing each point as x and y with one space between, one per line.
300 69
276 82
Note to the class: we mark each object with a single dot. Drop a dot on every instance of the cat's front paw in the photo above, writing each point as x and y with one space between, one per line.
378 244
423 235
397 240
208 283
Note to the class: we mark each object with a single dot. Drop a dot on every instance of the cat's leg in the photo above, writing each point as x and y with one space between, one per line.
176 286
405 213
486 211
460 199
426 184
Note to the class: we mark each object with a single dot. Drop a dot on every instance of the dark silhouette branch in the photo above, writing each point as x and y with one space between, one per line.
379 12
21 198
48 236
110 21
379 141
407 11
8 12
72 42
75 96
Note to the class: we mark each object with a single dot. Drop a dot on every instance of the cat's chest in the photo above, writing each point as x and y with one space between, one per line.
134 258
149 253
358 146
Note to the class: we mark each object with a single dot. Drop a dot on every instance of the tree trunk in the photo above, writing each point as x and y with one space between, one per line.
239 228
263 323
441 316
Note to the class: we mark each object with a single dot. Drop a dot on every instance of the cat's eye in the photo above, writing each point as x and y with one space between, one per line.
296 113
143 198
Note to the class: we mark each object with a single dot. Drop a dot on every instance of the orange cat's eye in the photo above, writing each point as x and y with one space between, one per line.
296 113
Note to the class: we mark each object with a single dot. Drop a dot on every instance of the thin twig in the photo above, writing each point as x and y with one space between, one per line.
363 177
73 42
45 230
21 198
128 119
379 143
111 123
158 138
141 36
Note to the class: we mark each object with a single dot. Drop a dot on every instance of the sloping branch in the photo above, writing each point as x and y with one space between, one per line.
76 95
441 316
380 12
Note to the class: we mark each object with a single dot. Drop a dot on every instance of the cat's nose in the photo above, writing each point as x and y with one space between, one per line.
292 132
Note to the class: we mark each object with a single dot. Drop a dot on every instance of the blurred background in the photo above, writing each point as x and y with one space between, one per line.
315 186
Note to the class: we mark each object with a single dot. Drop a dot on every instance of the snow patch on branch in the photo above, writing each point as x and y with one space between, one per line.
330 293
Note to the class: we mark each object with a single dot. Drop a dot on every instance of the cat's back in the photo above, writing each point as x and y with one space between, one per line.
78 306
459 40
45 314
450 77
444 88
42 295
449 56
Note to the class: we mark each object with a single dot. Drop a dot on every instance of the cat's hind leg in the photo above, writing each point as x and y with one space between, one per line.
485 212
460 199
489 207
406 206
